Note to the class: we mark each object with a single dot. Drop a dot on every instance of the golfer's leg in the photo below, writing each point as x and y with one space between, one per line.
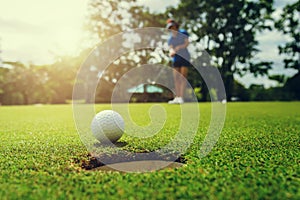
182 86
176 75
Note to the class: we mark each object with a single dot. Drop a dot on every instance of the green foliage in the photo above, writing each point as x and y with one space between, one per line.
292 87
109 17
256 157
281 79
60 79
289 24
259 93
30 84
241 93
227 30
21 84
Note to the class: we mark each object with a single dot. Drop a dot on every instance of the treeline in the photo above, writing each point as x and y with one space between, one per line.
290 91
53 84
31 84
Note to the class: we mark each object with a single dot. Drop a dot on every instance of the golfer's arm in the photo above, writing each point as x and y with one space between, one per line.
171 51
171 47
184 45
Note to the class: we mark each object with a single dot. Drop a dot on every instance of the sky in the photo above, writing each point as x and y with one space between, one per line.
36 31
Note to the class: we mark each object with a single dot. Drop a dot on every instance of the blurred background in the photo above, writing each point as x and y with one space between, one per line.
253 43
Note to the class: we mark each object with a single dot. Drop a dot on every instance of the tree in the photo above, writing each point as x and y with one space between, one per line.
292 87
3 73
227 30
21 84
60 79
289 25
28 84
107 18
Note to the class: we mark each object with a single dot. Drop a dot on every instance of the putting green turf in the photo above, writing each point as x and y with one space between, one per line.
257 156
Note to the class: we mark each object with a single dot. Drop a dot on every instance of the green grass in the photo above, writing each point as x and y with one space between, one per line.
256 157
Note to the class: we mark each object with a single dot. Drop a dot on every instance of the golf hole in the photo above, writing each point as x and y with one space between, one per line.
124 163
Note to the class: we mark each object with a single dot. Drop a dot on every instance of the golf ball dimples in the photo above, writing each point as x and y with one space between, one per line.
107 126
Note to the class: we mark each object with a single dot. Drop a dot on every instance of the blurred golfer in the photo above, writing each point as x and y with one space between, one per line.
178 43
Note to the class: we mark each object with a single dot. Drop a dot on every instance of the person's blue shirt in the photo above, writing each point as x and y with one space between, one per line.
179 39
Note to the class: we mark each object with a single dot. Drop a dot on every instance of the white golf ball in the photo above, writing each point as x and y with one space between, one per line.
107 126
